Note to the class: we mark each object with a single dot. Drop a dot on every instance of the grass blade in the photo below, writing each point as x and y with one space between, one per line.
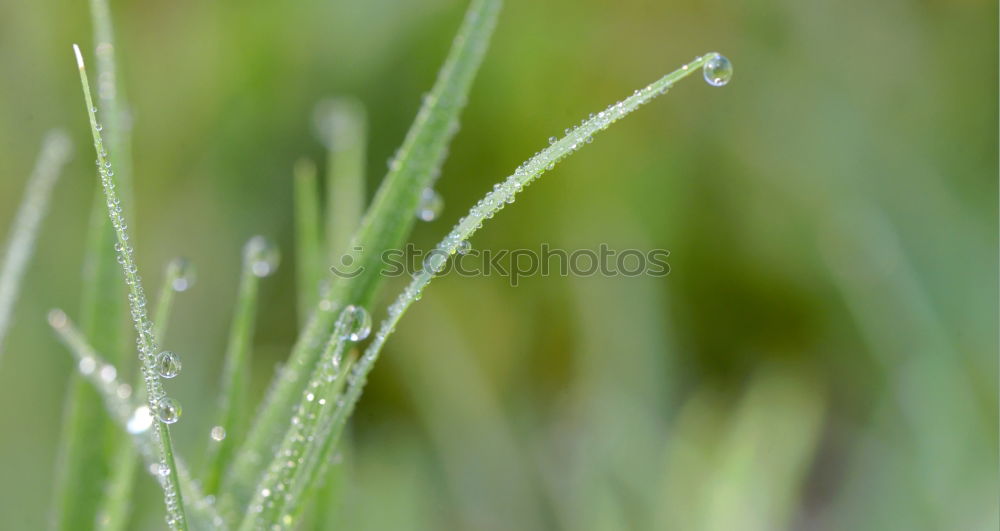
347 128
136 421
88 439
24 230
296 454
308 241
385 225
110 95
137 302
114 508
178 277
235 372
502 194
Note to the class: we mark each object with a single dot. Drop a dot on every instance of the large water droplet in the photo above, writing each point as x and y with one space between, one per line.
430 205
218 433
168 364
356 323
183 272
717 70
168 410
263 256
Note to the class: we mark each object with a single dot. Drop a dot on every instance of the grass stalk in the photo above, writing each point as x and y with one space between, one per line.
308 240
345 171
137 302
88 439
276 503
235 372
24 230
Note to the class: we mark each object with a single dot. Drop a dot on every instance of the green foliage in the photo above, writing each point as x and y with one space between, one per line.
273 493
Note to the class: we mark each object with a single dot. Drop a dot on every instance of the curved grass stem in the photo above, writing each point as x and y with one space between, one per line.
502 194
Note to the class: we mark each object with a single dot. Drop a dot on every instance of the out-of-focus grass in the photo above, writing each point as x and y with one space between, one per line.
748 188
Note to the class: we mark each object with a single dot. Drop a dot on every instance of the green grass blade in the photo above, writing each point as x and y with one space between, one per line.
236 369
296 454
24 230
137 302
502 194
308 241
111 97
346 126
385 225
114 508
89 440
178 277
136 421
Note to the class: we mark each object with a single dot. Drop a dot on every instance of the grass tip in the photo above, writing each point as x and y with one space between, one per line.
79 56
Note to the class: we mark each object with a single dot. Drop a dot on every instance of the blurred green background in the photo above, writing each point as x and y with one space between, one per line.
823 354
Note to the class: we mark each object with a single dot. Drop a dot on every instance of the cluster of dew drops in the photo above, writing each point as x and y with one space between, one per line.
166 363
263 261
354 324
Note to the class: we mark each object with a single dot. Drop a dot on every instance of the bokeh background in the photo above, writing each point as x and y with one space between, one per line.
823 354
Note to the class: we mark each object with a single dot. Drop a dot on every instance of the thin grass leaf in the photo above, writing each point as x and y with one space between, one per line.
136 421
114 509
272 497
178 277
89 440
503 193
137 301
24 229
385 225
235 373
346 133
308 241
111 97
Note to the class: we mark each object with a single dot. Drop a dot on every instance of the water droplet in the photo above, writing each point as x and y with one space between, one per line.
168 410
183 272
430 206
553 140
218 433
263 256
464 247
168 364
140 420
87 365
108 373
57 318
356 322
717 70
